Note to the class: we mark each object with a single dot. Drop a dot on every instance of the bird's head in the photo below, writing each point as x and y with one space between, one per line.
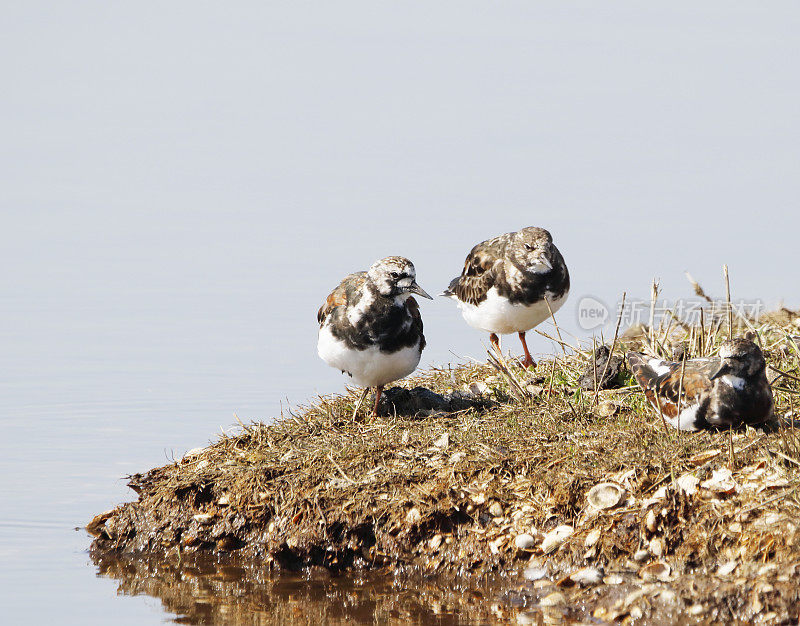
532 248
395 277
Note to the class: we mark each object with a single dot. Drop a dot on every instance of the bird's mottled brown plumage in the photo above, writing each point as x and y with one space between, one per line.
481 269
370 325
664 388
347 292
502 262
716 392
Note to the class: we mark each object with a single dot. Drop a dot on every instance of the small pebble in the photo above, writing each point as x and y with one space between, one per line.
496 509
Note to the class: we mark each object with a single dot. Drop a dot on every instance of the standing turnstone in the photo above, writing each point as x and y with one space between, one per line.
507 283
717 392
370 326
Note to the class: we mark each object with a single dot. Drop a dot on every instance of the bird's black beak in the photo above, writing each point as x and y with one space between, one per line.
724 368
415 288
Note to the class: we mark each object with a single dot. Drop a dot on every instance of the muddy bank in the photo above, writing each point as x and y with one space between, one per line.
587 507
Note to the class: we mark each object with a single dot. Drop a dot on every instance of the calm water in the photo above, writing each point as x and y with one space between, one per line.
181 184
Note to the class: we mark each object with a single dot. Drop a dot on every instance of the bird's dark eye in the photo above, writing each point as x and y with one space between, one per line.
394 274
528 246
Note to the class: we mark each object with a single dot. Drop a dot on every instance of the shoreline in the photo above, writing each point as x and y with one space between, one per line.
591 508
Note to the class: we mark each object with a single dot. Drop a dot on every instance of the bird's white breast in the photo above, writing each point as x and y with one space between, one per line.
369 367
496 314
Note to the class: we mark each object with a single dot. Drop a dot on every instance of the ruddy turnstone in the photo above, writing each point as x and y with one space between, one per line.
507 283
720 392
370 326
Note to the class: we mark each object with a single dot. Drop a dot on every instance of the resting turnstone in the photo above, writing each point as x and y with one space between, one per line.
726 391
507 283
370 326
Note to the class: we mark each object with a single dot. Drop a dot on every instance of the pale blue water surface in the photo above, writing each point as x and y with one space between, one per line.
182 183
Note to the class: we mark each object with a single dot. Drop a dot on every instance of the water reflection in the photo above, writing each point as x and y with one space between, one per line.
208 591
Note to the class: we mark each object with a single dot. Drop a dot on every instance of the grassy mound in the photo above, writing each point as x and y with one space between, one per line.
499 478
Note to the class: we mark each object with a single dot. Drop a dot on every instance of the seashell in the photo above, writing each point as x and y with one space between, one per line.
688 484
613 579
525 541
641 555
650 521
554 599
193 452
668 596
442 442
592 538
553 540
656 546
721 482
478 499
413 516
494 544
605 496
607 409
435 542
727 568
528 617
534 390
534 573
657 570
478 388
203 517
457 457
496 509
587 576
704 456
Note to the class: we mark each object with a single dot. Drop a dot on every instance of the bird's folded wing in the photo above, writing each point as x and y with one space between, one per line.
663 386
479 275
342 295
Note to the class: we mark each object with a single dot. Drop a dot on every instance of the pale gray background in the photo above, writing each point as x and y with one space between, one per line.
181 183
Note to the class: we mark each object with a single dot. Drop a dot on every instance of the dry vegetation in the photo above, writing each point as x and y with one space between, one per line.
495 478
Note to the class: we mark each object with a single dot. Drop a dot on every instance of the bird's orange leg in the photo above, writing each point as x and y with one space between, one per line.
378 391
528 360
495 341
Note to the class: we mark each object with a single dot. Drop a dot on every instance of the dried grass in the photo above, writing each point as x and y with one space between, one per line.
318 488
